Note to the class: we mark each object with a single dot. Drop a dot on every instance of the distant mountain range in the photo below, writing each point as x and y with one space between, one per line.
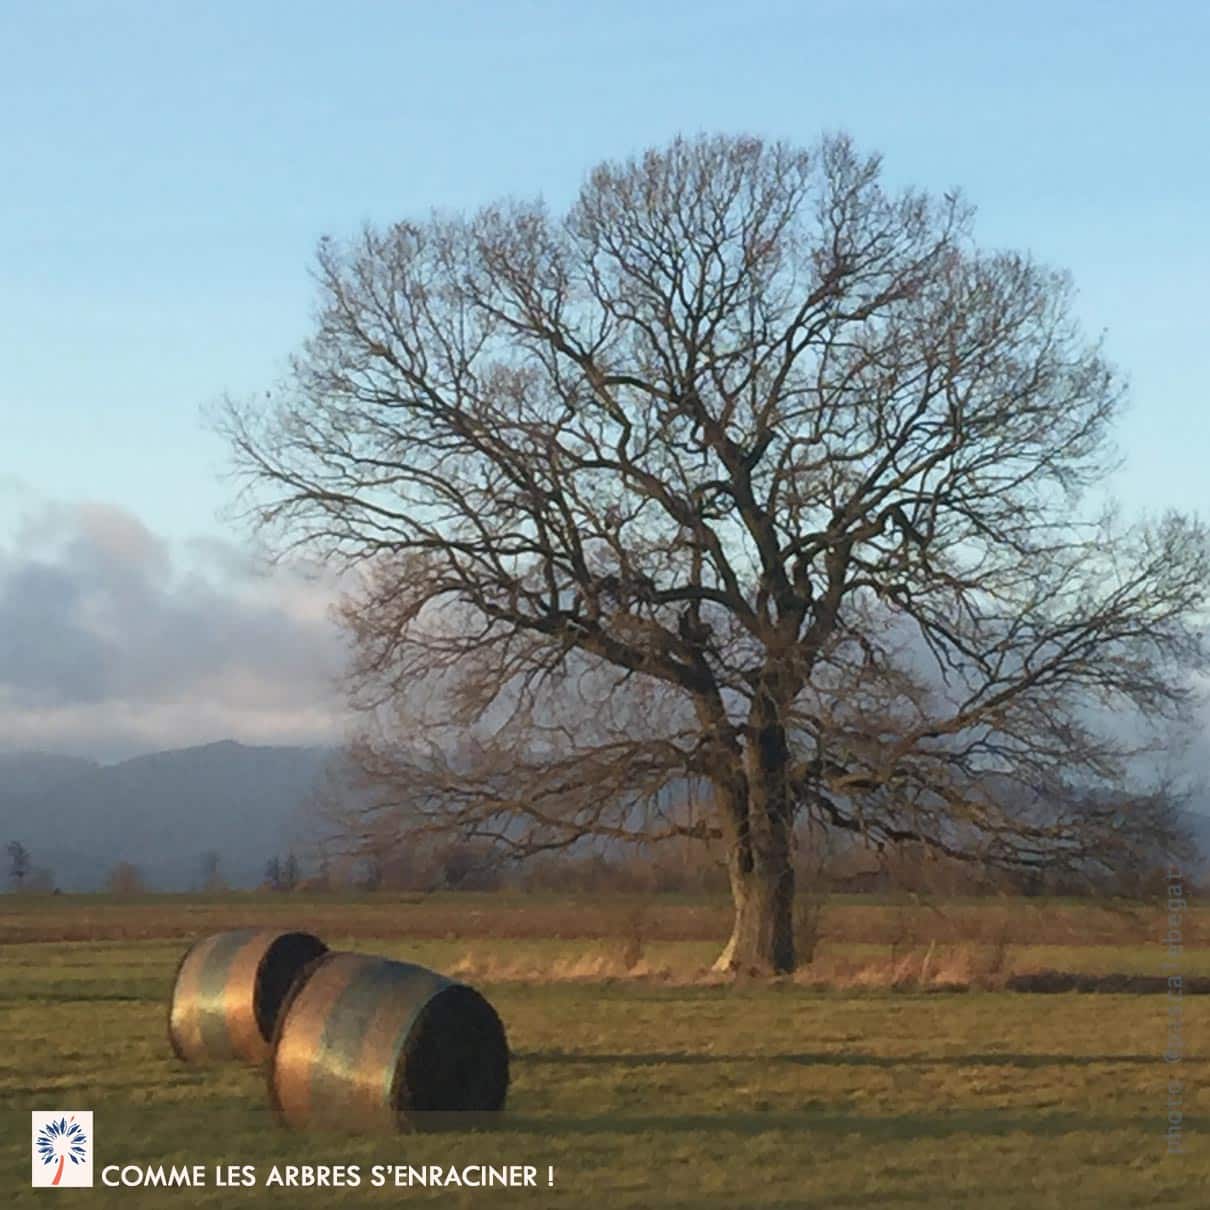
162 812
165 811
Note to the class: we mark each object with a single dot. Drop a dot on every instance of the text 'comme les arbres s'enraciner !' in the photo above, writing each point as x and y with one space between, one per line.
330 1176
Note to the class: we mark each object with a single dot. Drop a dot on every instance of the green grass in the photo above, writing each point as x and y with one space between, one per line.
648 1095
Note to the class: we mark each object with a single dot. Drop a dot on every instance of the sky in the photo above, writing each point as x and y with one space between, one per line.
169 168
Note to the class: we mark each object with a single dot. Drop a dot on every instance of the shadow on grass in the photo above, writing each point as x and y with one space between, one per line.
868 1127
215 1119
1058 982
42 996
830 1059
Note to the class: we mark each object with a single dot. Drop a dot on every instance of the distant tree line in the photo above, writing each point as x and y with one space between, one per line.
126 879
282 874
837 864
23 875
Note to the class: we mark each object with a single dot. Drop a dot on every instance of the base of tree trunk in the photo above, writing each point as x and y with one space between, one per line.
722 963
762 937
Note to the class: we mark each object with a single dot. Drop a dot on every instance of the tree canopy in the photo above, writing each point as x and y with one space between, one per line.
746 471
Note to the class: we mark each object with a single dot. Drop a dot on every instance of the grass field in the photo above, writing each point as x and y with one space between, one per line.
657 1089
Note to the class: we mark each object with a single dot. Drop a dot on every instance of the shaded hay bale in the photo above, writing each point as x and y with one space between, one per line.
229 990
367 1044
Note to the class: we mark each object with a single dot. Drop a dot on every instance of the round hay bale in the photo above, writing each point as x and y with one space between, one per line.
229 990
366 1044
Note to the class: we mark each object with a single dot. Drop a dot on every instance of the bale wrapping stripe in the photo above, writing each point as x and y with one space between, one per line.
229 990
367 1044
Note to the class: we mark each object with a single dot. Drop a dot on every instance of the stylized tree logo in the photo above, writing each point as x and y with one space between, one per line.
62 1140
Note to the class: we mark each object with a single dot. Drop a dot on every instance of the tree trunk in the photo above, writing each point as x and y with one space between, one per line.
760 862
762 937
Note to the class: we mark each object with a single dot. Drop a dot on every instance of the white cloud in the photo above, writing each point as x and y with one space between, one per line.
115 640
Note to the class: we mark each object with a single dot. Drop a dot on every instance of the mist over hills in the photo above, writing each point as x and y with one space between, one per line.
162 811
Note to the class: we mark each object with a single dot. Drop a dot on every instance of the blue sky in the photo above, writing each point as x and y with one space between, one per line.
168 168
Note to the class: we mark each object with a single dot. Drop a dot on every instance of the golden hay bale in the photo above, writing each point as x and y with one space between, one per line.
229 990
364 1043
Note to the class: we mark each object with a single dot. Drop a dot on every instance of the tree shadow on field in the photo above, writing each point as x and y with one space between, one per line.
726 1201
874 1128
830 1059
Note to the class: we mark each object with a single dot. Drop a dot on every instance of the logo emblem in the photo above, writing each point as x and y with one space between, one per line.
62 1148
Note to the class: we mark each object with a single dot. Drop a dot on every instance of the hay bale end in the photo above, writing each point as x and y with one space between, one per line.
229 990
369 1044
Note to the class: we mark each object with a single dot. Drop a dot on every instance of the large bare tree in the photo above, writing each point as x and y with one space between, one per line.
746 473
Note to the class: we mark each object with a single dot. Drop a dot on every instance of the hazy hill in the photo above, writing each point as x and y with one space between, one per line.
164 811
32 772
1200 826
161 812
